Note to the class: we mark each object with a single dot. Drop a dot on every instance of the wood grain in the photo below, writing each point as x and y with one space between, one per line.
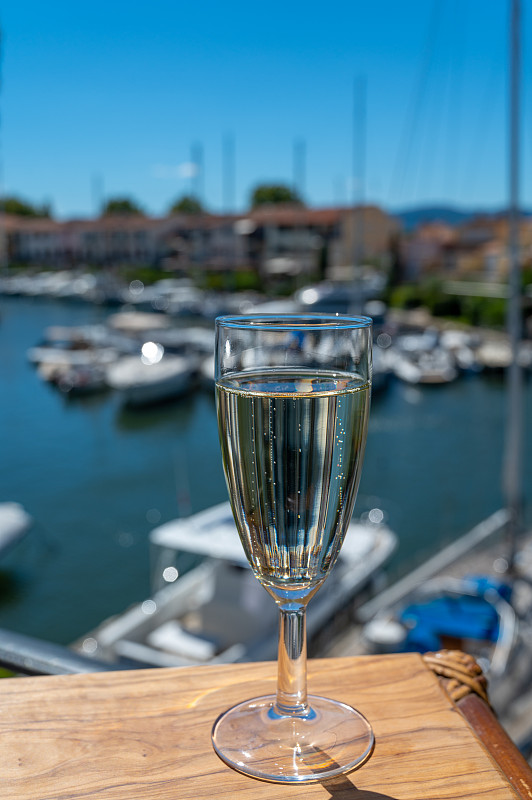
145 735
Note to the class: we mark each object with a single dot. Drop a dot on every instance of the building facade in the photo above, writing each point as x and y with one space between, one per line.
268 239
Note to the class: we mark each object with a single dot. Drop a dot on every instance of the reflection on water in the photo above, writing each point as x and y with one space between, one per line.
88 401
12 587
97 478
166 414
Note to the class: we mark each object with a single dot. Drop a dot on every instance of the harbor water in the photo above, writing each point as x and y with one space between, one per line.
96 478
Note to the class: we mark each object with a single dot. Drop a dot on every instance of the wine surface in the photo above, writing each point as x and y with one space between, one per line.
292 446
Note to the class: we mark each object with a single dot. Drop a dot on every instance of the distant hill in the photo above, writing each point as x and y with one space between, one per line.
412 217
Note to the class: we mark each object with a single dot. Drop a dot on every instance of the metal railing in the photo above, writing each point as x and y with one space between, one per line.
30 656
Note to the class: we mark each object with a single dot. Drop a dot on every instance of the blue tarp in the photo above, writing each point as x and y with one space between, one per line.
463 617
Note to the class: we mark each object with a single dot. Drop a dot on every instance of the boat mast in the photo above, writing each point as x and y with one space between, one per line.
513 457
359 163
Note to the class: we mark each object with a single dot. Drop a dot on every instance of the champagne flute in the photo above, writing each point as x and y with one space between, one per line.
293 396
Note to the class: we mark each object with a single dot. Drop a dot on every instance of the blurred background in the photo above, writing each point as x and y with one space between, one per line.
164 163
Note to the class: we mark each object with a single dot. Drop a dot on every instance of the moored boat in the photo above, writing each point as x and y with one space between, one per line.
473 614
141 381
65 357
14 524
76 379
218 611
431 367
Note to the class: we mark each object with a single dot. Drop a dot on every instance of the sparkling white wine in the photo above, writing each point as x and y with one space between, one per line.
292 446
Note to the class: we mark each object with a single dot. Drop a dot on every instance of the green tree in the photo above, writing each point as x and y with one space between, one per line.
188 204
121 205
270 193
21 208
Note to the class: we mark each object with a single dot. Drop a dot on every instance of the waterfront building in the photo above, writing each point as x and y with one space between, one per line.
476 248
286 238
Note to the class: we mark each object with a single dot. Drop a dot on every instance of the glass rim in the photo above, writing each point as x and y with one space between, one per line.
294 322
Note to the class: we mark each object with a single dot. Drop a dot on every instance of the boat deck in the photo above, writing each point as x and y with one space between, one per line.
222 618
512 697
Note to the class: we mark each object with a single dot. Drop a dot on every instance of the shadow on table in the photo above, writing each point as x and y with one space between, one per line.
342 788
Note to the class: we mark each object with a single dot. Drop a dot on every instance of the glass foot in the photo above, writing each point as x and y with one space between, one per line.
331 740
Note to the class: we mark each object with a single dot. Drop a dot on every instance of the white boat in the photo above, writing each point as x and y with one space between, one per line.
473 614
14 524
496 355
66 357
75 358
381 369
138 322
330 297
462 345
462 599
73 287
96 336
418 358
218 612
416 343
276 306
438 366
186 340
206 372
188 301
75 379
141 382
431 366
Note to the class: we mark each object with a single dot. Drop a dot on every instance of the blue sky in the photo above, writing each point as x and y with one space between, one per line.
108 98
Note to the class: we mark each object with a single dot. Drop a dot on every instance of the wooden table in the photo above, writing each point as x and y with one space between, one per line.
146 735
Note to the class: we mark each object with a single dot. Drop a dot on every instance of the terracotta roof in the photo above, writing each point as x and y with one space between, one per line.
293 215
277 214
13 223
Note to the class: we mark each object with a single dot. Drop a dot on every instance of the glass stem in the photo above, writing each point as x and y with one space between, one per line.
292 663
